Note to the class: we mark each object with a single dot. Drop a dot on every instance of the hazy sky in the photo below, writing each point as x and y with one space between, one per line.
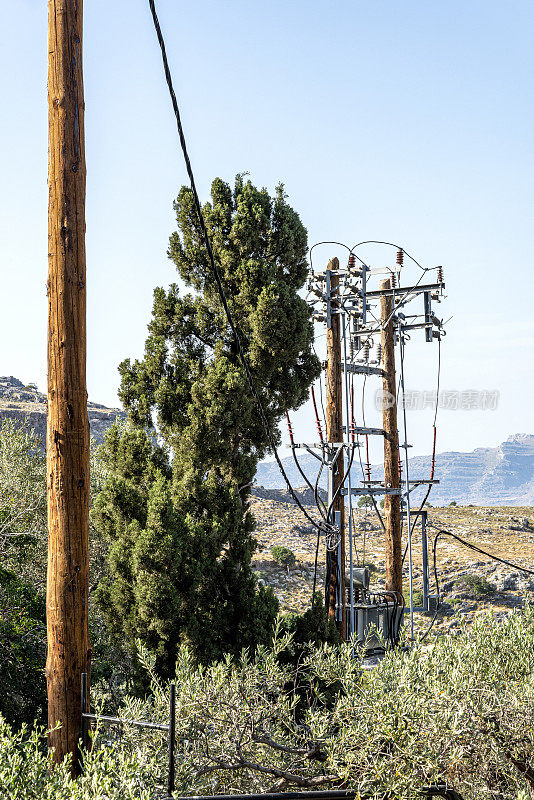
409 121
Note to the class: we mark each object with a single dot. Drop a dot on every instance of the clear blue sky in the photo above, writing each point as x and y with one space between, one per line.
405 120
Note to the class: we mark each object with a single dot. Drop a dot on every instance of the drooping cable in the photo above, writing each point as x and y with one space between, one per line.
319 502
433 458
470 546
321 525
371 495
442 532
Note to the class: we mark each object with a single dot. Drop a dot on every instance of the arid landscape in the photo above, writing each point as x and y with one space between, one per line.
505 532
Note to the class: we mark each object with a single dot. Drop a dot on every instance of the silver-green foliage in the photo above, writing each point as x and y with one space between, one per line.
26 774
22 502
458 710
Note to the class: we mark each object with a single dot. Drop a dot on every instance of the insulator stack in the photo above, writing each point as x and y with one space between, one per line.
368 464
290 429
352 262
400 257
317 420
366 351
379 353
393 281
440 274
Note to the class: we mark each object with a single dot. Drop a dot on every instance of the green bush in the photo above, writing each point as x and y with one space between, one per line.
365 501
110 773
283 556
477 585
456 711
312 628
417 597
22 651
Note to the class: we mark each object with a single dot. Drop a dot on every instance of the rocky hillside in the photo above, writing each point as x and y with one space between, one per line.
492 476
469 583
20 402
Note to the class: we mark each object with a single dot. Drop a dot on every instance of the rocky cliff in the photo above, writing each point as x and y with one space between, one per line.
495 476
20 402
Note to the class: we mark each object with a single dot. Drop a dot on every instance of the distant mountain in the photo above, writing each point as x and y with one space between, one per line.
498 476
20 402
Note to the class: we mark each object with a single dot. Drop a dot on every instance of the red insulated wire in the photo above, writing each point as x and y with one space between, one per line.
352 422
320 430
290 429
368 464
433 456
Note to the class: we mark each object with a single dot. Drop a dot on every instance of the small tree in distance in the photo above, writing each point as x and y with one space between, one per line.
283 556
175 514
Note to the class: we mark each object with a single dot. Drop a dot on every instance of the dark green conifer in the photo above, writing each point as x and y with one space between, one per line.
175 513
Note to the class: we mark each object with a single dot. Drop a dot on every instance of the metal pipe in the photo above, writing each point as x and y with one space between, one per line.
407 477
348 432
334 794
119 721
425 559
172 737
83 713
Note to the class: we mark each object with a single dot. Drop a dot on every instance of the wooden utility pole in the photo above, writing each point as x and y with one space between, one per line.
391 447
334 433
67 444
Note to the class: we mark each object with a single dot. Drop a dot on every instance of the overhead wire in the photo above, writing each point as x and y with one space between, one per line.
320 525
397 247
433 458
442 532
371 495
471 546
319 502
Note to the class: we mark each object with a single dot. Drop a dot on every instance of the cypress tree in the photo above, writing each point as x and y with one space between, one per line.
174 505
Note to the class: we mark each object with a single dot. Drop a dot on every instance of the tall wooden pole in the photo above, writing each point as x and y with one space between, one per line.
392 514
334 433
67 444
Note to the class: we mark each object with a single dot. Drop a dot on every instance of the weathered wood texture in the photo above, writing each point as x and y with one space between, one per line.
392 517
68 425
334 433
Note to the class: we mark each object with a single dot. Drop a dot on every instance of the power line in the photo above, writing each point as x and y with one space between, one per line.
442 532
322 526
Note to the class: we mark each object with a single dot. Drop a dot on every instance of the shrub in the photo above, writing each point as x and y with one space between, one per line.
477 585
417 597
283 556
456 711
310 628
22 651
110 773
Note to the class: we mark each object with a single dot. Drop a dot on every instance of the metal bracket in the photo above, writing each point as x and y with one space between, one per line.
363 369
